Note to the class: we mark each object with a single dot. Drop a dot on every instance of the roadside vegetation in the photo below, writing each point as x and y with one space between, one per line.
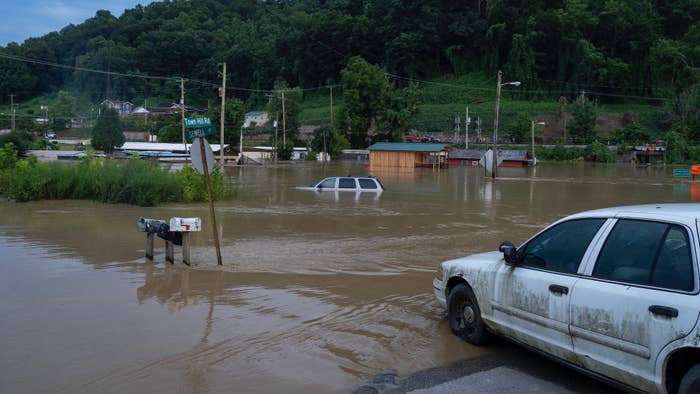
131 181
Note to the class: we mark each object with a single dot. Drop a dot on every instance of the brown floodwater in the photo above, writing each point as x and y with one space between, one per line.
318 290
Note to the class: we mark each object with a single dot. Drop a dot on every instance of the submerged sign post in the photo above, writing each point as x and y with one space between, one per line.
200 128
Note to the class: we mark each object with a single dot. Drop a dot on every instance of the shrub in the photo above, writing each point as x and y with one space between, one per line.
134 181
559 153
599 152
192 187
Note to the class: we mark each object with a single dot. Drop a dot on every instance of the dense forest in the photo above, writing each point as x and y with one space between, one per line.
623 53
624 47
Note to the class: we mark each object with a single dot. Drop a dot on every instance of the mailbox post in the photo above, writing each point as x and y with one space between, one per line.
150 227
170 232
185 226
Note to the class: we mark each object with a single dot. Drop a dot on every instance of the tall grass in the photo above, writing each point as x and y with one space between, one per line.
133 181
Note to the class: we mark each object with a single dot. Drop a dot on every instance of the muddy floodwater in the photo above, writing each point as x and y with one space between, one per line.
318 292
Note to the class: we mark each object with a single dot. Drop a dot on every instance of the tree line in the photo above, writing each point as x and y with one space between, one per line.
557 48
635 47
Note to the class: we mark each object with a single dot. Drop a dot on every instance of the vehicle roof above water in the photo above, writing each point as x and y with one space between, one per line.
684 210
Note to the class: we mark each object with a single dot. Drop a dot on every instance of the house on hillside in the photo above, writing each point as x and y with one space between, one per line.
135 135
408 155
256 119
122 107
165 109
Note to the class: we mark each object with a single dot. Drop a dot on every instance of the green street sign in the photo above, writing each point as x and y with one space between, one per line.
681 172
198 127
194 123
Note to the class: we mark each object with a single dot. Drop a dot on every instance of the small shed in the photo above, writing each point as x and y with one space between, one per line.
408 155
513 158
355 154
465 157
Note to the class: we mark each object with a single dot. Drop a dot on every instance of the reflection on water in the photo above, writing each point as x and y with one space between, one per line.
318 289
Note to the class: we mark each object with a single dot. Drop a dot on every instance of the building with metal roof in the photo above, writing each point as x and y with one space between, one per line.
408 155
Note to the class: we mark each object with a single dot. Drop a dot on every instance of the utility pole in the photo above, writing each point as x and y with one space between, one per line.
277 115
478 128
532 135
223 108
325 150
494 164
495 120
182 111
240 150
466 128
12 111
145 114
284 124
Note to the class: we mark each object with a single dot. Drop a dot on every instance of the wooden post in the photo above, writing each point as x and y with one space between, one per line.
149 245
186 248
169 252
223 110
284 124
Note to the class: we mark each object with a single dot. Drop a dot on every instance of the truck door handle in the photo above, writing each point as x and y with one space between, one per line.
663 310
559 289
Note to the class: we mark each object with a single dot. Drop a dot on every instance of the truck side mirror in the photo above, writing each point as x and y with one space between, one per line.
510 253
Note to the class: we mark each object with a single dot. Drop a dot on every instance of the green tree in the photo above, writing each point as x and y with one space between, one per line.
107 133
683 113
365 93
335 141
62 110
677 146
170 133
520 130
398 115
581 127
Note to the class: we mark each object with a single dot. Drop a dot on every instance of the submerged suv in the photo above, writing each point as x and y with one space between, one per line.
348 183
612 292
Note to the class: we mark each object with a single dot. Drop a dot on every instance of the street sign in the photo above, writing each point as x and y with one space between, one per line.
196 155
681 172
193 123
198 127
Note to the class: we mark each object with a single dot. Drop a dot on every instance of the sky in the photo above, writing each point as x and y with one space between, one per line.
22 19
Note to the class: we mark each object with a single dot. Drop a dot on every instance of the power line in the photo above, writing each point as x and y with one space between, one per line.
75 68
267 91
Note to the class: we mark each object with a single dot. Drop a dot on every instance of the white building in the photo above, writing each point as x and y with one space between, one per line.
255 119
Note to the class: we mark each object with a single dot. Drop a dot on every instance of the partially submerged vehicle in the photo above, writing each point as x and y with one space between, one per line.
612 292
347 184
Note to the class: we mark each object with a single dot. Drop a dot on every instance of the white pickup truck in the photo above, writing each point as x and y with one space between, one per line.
610 292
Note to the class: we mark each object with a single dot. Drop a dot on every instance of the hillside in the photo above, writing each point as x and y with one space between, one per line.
625 55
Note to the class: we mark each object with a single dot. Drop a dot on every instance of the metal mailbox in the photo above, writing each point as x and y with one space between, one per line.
185 224
146 225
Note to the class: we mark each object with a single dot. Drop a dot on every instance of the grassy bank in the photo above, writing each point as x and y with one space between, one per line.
132 181
442 100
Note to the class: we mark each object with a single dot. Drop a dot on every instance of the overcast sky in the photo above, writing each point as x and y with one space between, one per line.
22 19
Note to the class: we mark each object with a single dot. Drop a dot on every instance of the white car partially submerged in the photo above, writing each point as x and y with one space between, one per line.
347 183
611 292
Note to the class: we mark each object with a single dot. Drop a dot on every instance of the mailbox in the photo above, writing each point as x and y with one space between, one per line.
146 225
185 224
